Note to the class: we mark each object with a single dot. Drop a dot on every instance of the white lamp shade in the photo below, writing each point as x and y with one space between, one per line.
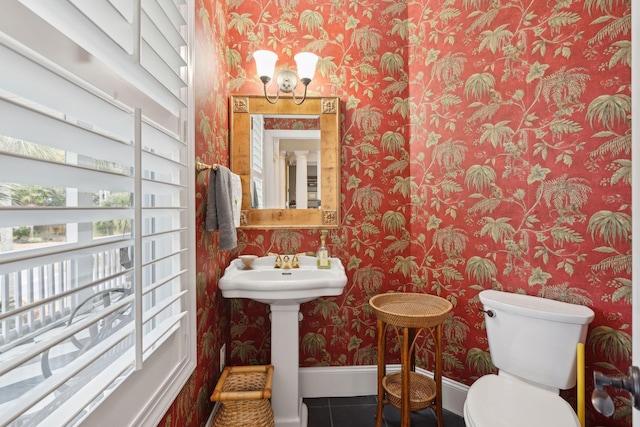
306 62
265 62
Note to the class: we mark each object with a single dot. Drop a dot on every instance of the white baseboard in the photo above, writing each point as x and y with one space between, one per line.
348 381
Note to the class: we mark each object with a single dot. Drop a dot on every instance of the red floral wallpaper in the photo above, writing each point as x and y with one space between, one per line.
485 144
296 124
193 406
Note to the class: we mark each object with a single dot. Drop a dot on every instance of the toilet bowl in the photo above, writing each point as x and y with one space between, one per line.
500 401
532 342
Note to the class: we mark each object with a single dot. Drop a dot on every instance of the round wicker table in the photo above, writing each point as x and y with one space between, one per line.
409 314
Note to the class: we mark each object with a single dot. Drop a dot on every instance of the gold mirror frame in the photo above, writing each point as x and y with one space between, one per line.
328 109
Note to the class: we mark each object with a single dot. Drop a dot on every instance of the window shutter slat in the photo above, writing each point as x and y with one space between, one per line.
160 70
163 281
124 7
159 42
168 325
61 94
23 170
172 10
14 217
166 144
163 22
69 251
109 20
25 124
161 306
159 169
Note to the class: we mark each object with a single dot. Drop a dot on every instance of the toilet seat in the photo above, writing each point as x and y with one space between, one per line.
501 401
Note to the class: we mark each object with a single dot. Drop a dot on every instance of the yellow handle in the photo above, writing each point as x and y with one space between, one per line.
580 368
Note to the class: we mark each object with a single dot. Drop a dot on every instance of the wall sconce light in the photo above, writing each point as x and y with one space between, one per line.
285 80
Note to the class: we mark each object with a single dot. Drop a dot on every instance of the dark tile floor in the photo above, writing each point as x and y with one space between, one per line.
361 411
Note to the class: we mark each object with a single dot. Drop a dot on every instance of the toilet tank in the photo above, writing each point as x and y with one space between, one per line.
535 338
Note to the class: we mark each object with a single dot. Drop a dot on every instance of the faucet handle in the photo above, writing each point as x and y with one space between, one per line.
278 262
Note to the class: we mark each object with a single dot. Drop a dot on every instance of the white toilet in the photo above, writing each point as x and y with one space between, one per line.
533 344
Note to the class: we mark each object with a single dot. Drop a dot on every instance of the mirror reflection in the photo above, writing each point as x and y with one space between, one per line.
287 157
286 153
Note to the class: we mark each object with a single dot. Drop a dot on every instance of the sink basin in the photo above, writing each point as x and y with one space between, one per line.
276 286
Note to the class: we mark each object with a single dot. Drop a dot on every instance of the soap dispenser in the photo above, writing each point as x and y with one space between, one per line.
323 253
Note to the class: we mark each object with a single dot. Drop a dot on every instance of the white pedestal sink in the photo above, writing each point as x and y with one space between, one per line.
284 290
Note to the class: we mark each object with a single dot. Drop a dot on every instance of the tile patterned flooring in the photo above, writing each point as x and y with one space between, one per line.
361 411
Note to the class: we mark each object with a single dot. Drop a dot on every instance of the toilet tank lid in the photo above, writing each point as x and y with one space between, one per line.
538 307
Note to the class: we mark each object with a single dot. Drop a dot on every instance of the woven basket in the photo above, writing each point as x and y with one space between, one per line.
410 309
244 392
422 390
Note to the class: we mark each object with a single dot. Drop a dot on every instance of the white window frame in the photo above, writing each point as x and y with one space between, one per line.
145 395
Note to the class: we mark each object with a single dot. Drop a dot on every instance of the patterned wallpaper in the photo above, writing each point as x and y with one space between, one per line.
485 144
193 406
295 124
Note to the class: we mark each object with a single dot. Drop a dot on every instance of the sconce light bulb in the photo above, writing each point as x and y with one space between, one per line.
265 64
306 62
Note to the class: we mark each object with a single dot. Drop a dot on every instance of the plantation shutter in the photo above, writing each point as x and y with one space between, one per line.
97 311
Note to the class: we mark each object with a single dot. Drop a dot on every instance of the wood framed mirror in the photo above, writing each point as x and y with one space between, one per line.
287 156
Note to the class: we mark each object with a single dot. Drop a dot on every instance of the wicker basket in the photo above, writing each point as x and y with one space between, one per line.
422 390
244 392
410 310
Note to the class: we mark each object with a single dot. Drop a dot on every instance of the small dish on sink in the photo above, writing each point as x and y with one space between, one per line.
247 260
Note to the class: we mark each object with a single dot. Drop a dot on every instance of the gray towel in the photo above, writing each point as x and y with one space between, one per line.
220 207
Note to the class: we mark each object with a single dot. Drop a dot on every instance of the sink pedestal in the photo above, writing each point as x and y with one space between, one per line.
288 409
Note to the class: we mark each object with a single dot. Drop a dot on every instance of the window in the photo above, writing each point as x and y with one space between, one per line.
257 161
97 308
